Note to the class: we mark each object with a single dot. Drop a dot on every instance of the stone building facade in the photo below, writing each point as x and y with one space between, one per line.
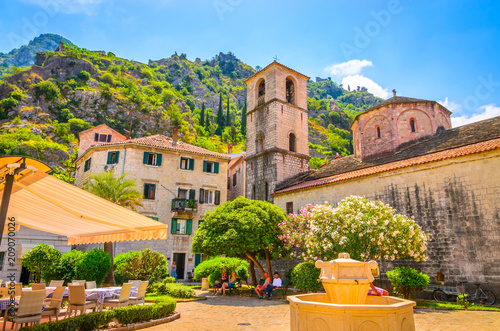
97 135
277 129
447 179
236 176
180 183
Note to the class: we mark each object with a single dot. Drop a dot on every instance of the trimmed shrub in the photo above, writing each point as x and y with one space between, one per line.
405 280
169 279
213 267
176 290
65 269
93 266
40 260
305 276
141 265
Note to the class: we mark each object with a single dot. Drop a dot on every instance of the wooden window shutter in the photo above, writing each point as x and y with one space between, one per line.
110 158
191 164
216 167
109 138
146 191
189 226
217 197
173 226
202 196
204 166
154 218
192 194
180 164
145 158
158 159
117 156
197 259
96 137
178 192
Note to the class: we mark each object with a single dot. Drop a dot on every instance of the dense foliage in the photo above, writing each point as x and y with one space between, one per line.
175 290
40 260
65 268
405 280
213 267
140 265
93 266
241 228
365 229
305 276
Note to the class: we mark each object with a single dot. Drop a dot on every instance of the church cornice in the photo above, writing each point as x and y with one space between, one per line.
277 100
277 150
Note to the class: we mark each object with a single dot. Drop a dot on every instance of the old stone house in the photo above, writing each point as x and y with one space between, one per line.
236 176
180 182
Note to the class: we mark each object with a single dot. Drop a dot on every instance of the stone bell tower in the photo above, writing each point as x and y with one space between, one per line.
277 129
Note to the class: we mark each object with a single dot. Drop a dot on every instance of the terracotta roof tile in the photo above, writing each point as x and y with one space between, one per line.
164 142
434 157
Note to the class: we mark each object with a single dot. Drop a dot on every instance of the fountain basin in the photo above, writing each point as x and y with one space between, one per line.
317 312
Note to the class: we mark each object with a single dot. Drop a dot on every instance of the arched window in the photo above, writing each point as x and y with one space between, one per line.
412 125
266 193
290 91
291 143
378 132
260 143
261 93
253 192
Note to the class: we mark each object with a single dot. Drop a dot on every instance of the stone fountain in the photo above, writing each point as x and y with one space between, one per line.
346 304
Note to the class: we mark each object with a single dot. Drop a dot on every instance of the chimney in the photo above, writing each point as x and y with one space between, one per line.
229 148
127 136
174 134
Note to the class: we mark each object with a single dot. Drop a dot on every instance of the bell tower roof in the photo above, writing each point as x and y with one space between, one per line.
271 65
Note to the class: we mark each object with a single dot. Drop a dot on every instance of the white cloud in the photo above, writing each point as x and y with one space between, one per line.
450 105
359 80
67 6
487 111
352 67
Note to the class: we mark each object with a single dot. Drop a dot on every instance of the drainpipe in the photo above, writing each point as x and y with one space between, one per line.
124 157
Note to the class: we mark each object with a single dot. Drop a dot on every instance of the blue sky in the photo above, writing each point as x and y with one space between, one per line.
446 51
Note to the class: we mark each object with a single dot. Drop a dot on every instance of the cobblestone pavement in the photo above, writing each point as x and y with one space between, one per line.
245 313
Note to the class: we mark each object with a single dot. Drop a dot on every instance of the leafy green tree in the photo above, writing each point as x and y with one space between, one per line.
228 116
241 228
213 267
202 115
119 190
406 279
144 265
220 115
48 89
40 260
244 119
65 269
93 266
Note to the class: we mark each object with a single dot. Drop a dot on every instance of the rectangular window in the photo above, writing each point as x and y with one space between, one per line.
182 193
212 167
87 164
2 256
153 159
181 226
234 180
113 157
187 163
149 191
289 207
209 197
102 138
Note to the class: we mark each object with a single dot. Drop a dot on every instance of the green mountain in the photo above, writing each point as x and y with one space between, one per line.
43 108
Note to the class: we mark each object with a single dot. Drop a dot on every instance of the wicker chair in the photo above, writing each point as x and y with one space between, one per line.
136 283
19 289
56 283
78 282
29 309
53 307
122 300
90 285
38 286
141 294
78 301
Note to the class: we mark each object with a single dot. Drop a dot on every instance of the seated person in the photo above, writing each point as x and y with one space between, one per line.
377 291
276 284
260 288
231 282
222 281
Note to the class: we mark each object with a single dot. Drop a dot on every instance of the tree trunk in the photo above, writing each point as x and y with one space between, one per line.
269 268
256 263
110 278
252 273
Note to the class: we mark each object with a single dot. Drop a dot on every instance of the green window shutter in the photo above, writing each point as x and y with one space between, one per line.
178 192
192 194
145 158
117 156
158 159
191 164
201 199
154 218
197 259
110 158
189 226
146 190
180 163
204 166
173 226
217 197
216 167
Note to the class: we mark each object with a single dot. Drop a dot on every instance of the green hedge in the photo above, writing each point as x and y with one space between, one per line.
176 290
213 267
305 276
100 320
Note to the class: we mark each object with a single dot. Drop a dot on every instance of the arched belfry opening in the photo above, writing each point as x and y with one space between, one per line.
291 143
261 92
412 125
290 91
260 143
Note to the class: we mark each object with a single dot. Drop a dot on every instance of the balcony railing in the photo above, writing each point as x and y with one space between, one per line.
261 100
184 204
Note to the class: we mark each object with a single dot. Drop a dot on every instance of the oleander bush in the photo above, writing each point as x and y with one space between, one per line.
101 320
305 276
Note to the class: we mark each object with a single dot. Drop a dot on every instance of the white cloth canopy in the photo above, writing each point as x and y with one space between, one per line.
43 202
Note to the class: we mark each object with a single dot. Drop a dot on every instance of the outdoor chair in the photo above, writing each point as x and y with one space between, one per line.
29 310
78 301
78 282
38 286
122 300
18 289
141 294
56 283
237 283
4 292
90 285
252 289
53 305
135 283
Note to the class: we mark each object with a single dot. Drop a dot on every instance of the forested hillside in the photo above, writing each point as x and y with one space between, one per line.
43 107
